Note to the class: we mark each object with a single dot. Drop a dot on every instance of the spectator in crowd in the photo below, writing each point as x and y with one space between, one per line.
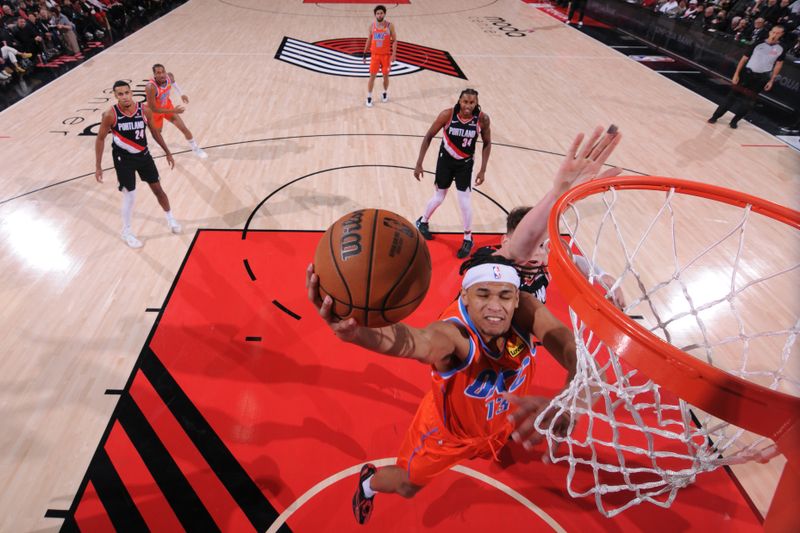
739 29
757 32
9 53
28 37
67 30
672 8
719 22
709 14
692 11
771 11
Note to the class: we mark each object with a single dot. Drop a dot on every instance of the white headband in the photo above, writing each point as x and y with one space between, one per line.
490 272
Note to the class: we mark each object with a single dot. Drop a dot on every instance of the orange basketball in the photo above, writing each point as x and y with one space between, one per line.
375 266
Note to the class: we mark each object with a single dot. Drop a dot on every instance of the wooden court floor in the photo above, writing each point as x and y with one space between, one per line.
74 296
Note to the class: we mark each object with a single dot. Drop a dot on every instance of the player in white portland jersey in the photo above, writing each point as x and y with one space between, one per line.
126 121
461 126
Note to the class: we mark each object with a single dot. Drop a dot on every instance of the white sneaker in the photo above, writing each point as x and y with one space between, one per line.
131 240
385 97
580 24
174 226
369 101
200 153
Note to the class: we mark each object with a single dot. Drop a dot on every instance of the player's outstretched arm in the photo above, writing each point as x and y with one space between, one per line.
440 122
437 344
105 126
177 88
157 136
583 162
559 341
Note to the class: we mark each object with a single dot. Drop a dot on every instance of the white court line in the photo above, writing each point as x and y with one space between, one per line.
325 483
272 54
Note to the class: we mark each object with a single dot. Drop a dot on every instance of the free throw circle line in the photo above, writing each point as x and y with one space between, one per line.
388 461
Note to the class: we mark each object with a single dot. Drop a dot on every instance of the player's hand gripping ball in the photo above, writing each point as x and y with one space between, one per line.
375 266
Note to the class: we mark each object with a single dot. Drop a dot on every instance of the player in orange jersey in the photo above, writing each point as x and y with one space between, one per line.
158 91
382 46
480 353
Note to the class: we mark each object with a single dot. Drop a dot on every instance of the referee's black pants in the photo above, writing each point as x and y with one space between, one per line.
580 6
742 96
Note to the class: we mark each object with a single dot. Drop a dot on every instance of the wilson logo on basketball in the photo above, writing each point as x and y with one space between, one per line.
343 57
351 238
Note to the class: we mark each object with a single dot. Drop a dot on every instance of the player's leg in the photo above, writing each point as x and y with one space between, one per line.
181 125
463 178
126 178
753 85
374 66
149 174
158 121
394 480
386 65
444 178
424 454
729 101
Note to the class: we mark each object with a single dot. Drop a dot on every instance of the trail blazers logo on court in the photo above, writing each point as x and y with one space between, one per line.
343 57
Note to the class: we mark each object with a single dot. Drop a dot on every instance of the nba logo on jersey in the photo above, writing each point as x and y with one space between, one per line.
496 272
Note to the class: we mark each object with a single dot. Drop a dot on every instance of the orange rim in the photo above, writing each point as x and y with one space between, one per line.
747 405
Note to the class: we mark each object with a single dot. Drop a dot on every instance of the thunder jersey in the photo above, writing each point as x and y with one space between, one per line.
381 39
459 137
129 131
162 93
468 398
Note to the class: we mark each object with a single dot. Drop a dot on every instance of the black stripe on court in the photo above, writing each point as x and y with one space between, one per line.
233 476
249 270
252 339
113 392
116 499
173 484
56 513
286 310
153 310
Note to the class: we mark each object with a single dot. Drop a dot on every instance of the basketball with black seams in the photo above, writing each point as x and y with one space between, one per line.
375 265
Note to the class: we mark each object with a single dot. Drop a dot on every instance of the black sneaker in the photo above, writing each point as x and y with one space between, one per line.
463 252
423 228
712 120
733 125
362 506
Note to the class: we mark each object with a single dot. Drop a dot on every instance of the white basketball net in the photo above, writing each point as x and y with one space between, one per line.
630 441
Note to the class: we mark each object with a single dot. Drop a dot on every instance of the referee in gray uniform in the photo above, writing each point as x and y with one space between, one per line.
756 71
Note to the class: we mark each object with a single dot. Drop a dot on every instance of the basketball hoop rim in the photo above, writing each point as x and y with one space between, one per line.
748 405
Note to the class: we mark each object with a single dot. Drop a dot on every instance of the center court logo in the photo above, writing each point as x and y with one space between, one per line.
343 57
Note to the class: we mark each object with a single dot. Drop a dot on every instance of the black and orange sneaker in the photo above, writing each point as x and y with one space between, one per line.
362 506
